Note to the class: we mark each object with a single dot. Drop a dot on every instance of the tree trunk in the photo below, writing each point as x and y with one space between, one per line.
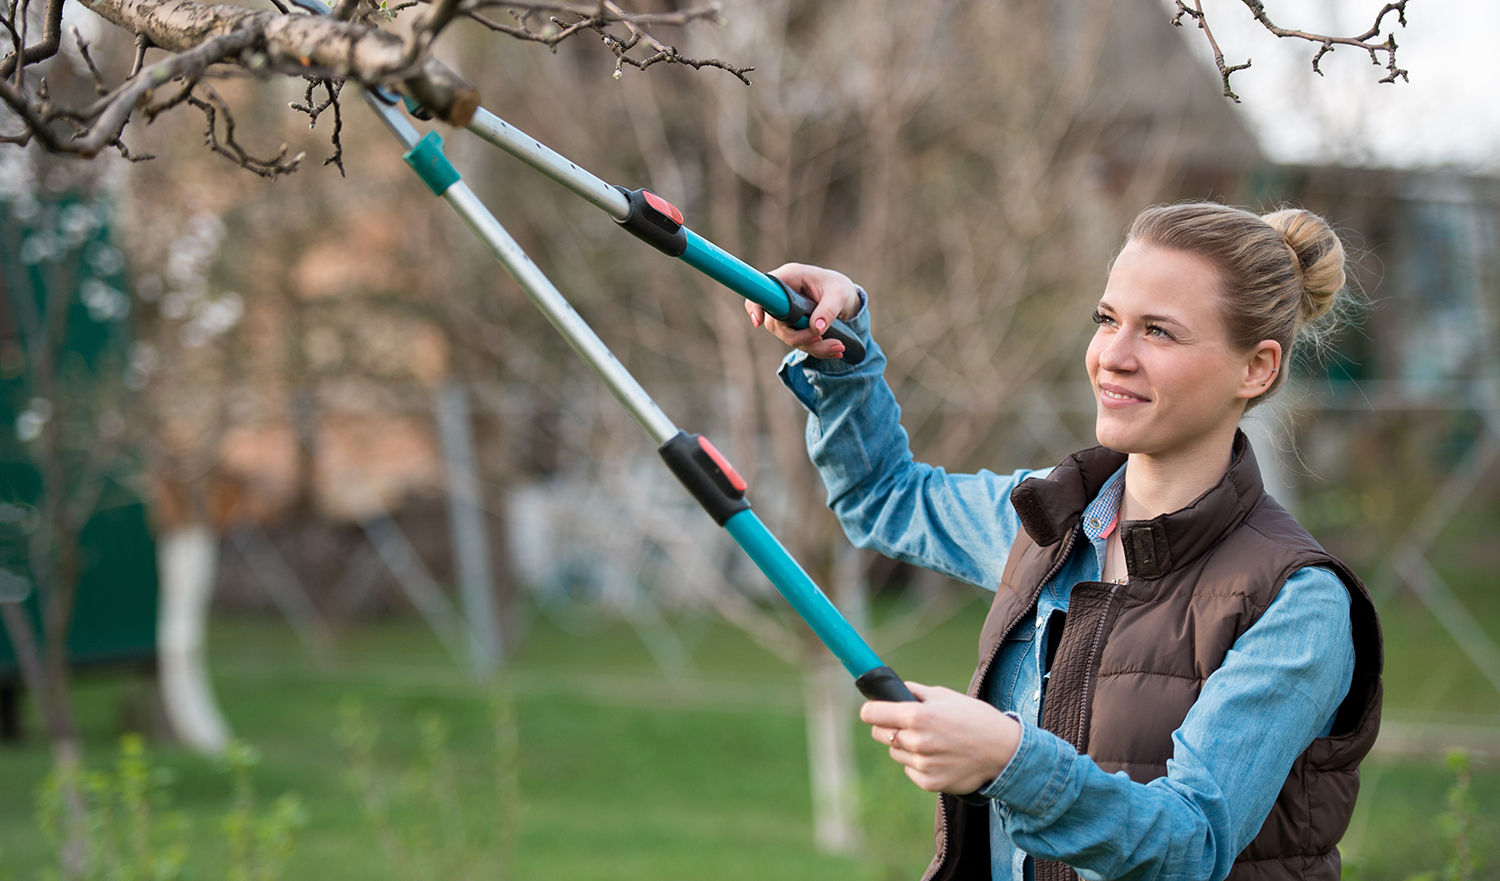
832 709
62 733
830 753
188 557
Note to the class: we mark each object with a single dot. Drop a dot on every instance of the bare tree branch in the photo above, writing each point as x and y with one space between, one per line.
1369 41
229 148
107 117
300 44
347 44
598 20
51 39
1363 41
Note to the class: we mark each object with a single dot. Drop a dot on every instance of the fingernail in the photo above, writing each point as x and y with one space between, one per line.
820 324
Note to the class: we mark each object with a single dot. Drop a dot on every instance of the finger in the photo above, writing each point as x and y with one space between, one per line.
824 314
757 313
795 275
829 350
925 781
792 336
886 714
817 284
925 693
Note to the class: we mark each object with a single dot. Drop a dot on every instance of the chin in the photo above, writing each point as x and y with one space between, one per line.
1114 436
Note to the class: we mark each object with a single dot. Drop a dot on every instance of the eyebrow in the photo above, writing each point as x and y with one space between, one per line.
1150 319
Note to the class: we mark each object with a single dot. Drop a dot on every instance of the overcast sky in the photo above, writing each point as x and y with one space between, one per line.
1449 114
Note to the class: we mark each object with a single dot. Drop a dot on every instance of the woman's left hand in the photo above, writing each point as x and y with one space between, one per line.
949 742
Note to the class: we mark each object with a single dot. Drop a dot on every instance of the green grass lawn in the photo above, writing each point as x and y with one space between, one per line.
626 773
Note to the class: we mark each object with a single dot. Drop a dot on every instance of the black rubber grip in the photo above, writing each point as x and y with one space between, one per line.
882 684
704 478
665 234
801 309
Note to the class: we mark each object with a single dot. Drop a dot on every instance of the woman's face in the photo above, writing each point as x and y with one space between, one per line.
1166 380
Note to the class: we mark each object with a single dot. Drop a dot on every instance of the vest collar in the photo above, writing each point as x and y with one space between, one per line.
1050 509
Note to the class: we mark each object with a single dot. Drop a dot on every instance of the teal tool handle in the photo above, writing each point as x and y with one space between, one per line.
875 680
783 303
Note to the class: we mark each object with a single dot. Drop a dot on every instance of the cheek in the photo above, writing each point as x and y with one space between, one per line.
1091 357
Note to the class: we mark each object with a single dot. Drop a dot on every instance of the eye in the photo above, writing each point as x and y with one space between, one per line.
1101 319
1158 332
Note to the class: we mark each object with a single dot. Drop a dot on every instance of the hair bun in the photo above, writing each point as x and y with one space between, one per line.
1320 258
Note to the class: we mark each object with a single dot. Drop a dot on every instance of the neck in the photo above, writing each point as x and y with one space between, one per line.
1160 484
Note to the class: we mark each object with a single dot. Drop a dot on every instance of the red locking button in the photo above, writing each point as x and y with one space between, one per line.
735 480
662 206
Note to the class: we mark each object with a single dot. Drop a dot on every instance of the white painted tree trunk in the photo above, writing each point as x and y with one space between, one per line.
830 746
187 558
832 710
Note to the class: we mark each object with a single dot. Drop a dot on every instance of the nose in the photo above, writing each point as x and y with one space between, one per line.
1117 353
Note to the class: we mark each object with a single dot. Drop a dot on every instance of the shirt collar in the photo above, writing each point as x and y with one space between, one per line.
1103 513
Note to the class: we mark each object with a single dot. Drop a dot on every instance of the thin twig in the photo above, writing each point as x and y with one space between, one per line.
142 43
1196 13
83 49
609 14
334 87
229 148
598 19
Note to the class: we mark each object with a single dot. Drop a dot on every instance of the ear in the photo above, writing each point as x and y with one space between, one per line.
1262 366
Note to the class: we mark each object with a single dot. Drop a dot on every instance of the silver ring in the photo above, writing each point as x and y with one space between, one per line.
894 732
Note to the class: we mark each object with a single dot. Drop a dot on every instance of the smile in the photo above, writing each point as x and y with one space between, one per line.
1114 395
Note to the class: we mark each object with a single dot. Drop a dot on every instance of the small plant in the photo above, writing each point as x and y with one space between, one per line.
130 835
1456 823
431 822
258 846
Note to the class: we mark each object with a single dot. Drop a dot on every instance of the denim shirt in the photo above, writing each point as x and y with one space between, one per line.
1289 671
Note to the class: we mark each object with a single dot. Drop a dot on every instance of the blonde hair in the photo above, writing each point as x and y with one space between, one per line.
1282 273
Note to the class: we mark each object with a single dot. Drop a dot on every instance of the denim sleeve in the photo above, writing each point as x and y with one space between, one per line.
959 524
1279 687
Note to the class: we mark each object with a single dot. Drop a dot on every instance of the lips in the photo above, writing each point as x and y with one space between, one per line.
1117 396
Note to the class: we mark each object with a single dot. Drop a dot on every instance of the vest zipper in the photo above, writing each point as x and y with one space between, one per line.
984 673
1094 647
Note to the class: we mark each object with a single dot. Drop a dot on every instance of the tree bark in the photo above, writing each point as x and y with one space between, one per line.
338 48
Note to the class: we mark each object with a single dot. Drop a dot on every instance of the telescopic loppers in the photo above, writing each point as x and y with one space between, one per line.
701 468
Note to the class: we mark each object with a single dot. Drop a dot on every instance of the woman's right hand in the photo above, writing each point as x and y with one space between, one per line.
835 295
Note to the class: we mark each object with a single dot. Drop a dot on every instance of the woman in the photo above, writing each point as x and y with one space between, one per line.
1175 680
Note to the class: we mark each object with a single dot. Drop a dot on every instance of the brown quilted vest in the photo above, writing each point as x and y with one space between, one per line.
1119 687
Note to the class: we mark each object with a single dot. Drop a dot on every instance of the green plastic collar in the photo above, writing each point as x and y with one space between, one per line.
428 161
